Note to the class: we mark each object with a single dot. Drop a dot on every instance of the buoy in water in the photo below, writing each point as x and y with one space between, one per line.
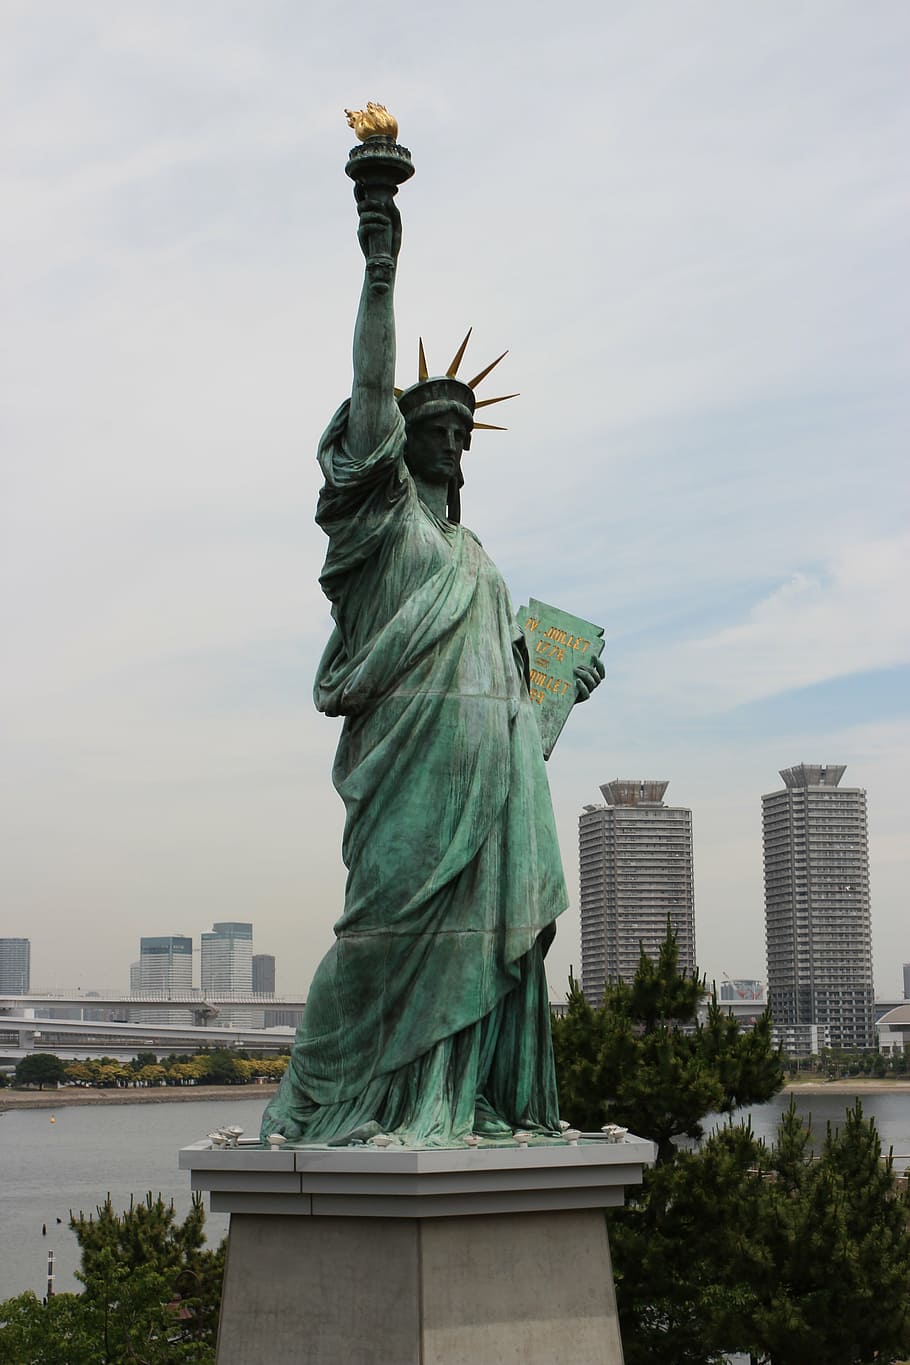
52 1119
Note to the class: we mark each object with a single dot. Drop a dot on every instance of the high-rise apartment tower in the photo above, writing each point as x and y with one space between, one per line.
15 965
817 914
636 872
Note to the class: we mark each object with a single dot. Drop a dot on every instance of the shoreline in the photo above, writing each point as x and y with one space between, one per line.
85 1095
170 1094
861 1085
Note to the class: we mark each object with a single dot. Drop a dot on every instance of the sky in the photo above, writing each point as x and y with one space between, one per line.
687 221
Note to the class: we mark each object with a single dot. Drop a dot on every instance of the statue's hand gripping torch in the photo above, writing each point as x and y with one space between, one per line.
378 166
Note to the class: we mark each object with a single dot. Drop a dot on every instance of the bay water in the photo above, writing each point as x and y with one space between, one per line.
126 1150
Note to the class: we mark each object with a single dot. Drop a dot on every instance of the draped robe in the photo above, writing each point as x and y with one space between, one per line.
430 1011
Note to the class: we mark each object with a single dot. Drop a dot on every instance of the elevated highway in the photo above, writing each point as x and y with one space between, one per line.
70 1038
121 1025
203 1006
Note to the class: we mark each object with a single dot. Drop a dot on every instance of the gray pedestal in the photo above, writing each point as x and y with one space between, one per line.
419 1257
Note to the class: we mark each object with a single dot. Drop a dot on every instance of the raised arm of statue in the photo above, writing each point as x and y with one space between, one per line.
373 408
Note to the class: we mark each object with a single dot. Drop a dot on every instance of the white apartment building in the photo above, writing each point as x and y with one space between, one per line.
817 908
636 873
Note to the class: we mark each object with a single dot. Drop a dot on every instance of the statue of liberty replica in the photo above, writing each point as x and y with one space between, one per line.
428 1019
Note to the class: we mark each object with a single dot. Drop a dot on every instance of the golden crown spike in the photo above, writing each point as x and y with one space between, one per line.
452 371
472 383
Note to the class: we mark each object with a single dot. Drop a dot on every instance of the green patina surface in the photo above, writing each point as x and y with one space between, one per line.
428 1018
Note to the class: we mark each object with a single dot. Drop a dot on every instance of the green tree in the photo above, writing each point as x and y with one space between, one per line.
41 1069
152 1291
142 1059
149 1233
642 1059
794 1259
221 1066
841 1285
45 1334
122 1315
684 1254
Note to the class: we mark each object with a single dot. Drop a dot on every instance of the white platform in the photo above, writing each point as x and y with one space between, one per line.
428 1257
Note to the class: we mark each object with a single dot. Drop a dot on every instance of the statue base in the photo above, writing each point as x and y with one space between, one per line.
433 1256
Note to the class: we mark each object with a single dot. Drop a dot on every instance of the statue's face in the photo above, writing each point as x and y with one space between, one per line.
434 446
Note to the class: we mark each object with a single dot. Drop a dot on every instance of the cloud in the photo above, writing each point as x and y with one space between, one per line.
847 617
689 224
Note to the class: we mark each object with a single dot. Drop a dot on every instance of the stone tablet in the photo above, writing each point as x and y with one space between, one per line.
556 643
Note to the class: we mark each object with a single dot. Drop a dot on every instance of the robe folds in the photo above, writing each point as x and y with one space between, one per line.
430 1010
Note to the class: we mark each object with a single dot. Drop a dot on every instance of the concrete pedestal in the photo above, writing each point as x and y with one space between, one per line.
419 1257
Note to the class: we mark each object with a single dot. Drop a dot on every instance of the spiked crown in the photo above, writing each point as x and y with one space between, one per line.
441 393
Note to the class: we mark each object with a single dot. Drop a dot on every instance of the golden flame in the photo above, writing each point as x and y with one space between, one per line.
374 121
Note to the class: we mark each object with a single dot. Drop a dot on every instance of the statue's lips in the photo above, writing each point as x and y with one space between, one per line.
442 464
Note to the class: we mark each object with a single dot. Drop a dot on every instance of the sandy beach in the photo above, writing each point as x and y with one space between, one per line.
170 1094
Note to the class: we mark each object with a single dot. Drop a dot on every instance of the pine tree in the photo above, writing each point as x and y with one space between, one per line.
793 1258
151 1293
148 1233
687 1255
840 1291
641 1059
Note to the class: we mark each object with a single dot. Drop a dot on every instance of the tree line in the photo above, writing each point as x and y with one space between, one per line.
216 1066
835 1063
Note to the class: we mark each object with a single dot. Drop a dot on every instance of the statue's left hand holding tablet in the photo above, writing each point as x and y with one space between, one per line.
587 677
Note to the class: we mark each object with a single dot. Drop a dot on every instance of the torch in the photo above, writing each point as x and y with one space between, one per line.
378 165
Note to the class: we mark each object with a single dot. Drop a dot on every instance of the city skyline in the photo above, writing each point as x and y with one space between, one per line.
651 793
710 344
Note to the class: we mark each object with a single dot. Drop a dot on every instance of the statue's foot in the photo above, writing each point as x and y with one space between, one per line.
492 1128
361 1134
279 1123
487 1123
